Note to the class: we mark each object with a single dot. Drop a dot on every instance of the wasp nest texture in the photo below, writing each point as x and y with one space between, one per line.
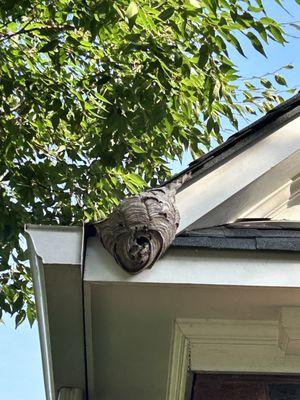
142 227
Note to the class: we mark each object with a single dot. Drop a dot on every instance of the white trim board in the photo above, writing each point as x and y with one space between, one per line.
209 345
42 315
56 256
57 244
218 185
199 267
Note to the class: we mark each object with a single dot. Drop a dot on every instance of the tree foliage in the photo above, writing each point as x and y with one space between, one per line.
98 95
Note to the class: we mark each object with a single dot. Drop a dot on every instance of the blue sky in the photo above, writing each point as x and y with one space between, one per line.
20 361
21 375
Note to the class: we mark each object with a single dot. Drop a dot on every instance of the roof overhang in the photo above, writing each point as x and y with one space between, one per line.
116 329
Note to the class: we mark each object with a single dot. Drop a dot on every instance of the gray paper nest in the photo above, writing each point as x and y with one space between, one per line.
141 228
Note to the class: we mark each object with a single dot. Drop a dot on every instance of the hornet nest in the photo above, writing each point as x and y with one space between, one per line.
142 227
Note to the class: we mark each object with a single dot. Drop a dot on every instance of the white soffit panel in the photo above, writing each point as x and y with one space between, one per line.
223 182
261 199
283 203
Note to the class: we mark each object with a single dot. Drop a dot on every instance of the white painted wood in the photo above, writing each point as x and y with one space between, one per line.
70 394
58 295
132 326
228 346
179 362
282 203
57 244
252 196
289 214
199 267
289 330
288 209
270 203
221 183
89 340
42 316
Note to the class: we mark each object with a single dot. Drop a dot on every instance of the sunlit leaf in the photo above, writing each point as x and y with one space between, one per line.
132 10
256 43
280 80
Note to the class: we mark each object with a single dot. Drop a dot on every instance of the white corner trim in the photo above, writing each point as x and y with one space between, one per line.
289 330
70 394
217 345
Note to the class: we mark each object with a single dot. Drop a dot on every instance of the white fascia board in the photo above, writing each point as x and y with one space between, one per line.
57 244
199 267
211 190
36 266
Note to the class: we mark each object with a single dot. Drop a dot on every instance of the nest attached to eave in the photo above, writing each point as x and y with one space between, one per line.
141 228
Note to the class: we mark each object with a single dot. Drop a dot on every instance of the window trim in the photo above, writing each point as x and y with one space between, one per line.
235 346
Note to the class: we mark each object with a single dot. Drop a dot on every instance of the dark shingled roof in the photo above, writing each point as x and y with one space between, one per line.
270 122
245 235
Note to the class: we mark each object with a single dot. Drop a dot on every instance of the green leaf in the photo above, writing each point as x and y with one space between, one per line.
256 43
210 124
18 302
277 34
49 46
195 3
136 179
166 14
233 40
102 98
55 121
267 84
132 10
20 317
137 149
280 80
203 55
30 315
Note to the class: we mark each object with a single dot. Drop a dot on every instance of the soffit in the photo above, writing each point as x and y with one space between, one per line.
130 319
